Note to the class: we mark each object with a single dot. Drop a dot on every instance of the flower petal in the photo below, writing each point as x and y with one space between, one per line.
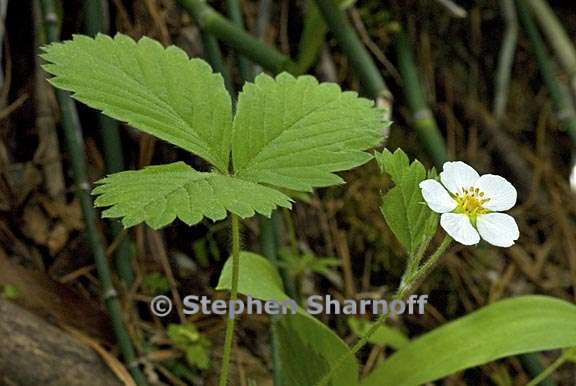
437 197
459 227
457 175
502 194
498 229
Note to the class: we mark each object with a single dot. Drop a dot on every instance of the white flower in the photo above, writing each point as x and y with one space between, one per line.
469 205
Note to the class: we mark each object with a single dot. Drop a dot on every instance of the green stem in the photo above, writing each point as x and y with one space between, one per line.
505 58
229 337
355 51
532 363
312 39
424 122
407 285
209 42
539 380
556 34
75 145
235 13
211 21
563 105
97 21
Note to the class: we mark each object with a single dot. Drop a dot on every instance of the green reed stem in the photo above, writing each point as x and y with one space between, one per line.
72 134
424 122
229 337
361 61
211 21
505 58
557 36
235 13
408 284
97 20
197 9
562 102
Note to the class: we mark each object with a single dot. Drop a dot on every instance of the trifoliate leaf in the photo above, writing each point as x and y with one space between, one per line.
294 132
158 194
403 208
157 90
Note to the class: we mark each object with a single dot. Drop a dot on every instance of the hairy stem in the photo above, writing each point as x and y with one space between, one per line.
233 296
407 286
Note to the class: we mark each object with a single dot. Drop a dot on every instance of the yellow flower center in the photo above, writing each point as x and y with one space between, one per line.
470 203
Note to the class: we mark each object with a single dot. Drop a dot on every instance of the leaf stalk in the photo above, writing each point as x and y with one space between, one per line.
229 337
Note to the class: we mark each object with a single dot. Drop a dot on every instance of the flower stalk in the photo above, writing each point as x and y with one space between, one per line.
408 284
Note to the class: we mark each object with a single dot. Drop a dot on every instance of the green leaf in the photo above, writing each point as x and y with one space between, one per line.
384 336
9 292
259 279
394 164
197 356
294 132
403 207
570 354
302 363
510 327
157 90
195 345
158 194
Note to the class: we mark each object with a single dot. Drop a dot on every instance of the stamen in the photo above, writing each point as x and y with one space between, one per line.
470 202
